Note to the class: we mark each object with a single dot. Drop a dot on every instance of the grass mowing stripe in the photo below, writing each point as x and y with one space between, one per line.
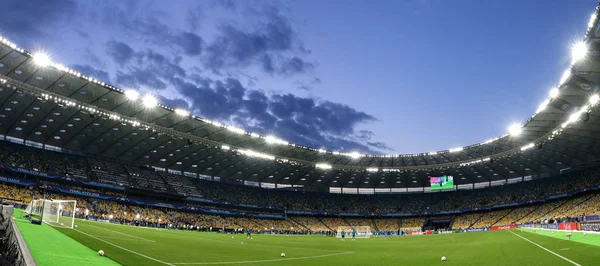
113 231
122 248
539 246
260 261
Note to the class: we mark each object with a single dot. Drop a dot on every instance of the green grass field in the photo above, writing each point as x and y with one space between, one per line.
142 246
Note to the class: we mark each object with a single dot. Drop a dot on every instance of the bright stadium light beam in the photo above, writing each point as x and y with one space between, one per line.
578 52
182 112
542 106
592 20
149 101
594 99
132 95
554 92
354 155
515 130
565 76
41 59
323 166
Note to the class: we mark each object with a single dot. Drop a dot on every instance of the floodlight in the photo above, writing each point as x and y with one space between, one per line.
323 166
41 59
592 20
354 155
181 112
456 149
149 101
554 93
578 52
542 106
515 130
594 99
528 146
565 76
132 95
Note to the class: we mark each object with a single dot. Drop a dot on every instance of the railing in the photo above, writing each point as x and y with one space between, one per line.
13 250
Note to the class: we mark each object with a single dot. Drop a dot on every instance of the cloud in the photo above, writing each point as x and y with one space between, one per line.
268 46
120 52
150 69
151 28
92 72
298 119
33 19
190 43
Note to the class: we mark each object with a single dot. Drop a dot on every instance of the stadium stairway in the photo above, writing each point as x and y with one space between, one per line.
476 221
502 218
321 221
293 221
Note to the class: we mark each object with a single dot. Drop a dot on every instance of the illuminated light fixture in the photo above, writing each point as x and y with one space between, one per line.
594 99
554 93
149 101
456 149
274 140
565 76
543 106
254 135
372 170
41 59
236 130
252 153
527 147
132 95
578 52
182 112
225 147
137 216
432 153
321 150
515 130
592 20
323 166
354 155
575 116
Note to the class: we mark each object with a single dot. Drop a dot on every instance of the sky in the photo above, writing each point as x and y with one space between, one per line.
383 77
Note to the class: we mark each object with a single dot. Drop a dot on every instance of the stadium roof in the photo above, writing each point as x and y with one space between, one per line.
44 102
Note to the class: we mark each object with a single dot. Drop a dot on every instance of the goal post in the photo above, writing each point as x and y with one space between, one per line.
54 212
361 231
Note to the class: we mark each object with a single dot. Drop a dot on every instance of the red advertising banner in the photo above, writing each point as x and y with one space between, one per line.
503 227
568 226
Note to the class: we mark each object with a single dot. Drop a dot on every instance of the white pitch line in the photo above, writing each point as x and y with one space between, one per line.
130 251
539 246
138 237
260 261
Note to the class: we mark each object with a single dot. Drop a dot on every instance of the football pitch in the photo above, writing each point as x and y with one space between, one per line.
143 246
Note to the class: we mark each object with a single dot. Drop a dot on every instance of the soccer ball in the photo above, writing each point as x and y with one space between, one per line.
283 254
75 226
444 258
101 252
232 237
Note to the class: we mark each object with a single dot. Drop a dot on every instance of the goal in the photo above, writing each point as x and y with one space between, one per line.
361 231
53 212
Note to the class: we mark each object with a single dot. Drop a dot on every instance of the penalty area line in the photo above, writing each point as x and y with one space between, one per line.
130 251
540 246
260 261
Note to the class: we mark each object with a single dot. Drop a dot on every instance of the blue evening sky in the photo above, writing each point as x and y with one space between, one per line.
373 76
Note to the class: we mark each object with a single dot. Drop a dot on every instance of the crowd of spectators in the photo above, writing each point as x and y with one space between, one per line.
143 177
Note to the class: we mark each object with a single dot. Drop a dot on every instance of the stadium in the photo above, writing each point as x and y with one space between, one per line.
92 173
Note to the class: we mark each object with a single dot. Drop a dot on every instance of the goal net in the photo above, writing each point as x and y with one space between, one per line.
54 212
361 231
